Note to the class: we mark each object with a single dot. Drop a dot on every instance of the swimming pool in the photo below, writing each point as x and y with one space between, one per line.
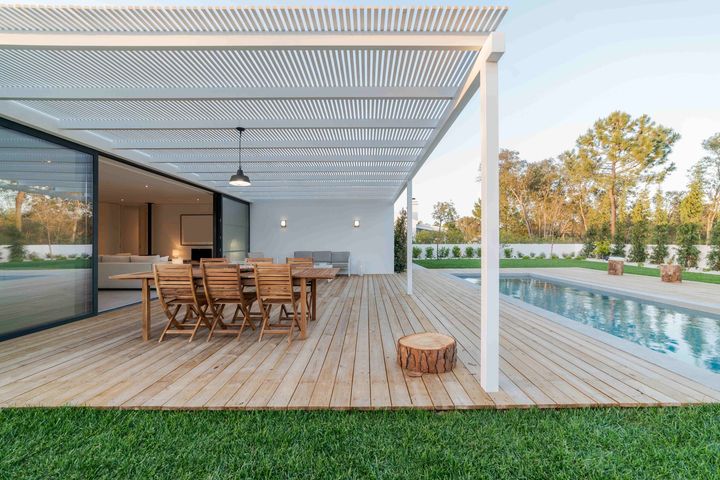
689 336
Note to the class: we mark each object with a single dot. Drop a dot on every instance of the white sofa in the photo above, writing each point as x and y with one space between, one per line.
109 265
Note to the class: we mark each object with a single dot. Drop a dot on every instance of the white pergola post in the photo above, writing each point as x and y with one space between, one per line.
409 236
490 198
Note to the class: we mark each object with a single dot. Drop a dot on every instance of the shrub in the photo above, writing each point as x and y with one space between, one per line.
565 255
660 238
618 248
479 252
572 255
416 252
443 252
532 254
508 251
17 245
542 255
638 240
400 253
589 246
554 256
429 252
456 252
713 259
602 249
469 252
689 236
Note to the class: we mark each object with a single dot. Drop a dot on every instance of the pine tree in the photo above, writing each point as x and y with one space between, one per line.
639 231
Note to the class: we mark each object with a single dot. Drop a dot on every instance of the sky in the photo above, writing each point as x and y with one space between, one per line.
568 63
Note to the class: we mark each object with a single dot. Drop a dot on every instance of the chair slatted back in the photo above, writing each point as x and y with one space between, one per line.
274 282
300 262
221 281
174 283
254 261
204 261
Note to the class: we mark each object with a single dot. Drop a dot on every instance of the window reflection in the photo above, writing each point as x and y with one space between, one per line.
46 232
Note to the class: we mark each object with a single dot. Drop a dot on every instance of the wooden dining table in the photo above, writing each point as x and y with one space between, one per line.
302 275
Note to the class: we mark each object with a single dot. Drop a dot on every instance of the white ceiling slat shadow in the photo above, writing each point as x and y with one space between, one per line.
337 102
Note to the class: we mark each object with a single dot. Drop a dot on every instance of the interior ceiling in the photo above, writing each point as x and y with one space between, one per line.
337 102
130 186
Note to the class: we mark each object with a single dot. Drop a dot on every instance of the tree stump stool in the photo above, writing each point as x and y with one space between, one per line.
428 352
670 273
616 267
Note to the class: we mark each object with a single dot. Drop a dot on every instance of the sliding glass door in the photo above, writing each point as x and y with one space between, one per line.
46 233
234 228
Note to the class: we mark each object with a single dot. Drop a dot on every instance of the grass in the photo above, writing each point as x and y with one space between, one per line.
561 444
71 263
548 263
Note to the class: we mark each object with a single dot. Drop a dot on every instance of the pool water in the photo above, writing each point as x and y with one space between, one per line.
689 336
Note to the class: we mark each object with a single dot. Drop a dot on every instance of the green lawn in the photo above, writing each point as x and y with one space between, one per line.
547 262
564 444
71 263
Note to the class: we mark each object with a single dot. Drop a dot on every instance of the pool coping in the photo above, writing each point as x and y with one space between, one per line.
709 379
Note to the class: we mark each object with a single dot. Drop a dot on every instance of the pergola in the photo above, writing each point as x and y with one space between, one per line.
338 102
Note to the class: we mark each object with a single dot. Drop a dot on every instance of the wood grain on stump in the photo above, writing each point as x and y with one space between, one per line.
671 273
616 267
428 352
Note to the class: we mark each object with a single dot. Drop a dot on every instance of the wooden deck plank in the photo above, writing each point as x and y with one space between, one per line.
348 360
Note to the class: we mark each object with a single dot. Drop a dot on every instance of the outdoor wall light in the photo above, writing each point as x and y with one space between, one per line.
283 223
356 223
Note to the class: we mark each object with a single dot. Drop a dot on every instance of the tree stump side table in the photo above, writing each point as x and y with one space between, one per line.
427 352
670 273
616 267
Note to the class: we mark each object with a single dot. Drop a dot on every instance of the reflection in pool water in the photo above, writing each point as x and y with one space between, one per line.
689 336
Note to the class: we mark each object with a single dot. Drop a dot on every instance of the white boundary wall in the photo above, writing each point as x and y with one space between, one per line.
537 248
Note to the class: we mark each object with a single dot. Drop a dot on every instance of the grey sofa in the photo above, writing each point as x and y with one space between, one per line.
339 260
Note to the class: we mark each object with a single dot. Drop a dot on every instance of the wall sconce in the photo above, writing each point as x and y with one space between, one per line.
175 253
283 223
356 223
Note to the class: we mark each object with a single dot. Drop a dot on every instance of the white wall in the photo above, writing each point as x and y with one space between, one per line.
166 227
326 225
119 229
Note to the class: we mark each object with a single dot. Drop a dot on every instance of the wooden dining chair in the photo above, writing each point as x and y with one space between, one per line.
274 286
253 261
204 261
175 288
223 287
303 262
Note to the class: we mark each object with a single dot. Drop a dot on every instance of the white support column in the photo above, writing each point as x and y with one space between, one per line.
409 236
490 198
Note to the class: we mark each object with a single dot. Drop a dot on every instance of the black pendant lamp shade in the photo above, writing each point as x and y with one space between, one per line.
240 179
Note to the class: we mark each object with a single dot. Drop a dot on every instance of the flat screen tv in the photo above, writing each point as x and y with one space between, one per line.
197 253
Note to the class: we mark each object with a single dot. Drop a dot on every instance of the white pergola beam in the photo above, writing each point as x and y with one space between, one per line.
250 144
211 123
217 159
235 41
490 198
220 93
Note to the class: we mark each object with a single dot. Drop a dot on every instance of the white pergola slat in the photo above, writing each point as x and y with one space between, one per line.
166 87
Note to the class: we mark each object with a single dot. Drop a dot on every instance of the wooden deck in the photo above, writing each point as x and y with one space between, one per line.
347 362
